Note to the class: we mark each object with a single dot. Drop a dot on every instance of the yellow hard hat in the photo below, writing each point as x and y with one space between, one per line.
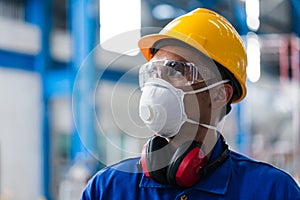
209 33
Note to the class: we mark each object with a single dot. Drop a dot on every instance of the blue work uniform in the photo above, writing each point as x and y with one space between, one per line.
238 177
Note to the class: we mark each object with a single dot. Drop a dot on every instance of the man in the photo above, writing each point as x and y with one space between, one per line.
196 69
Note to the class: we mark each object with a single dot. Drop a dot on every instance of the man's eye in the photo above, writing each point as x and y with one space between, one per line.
178 66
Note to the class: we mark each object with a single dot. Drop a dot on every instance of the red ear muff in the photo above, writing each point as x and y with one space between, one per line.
185 165
155 159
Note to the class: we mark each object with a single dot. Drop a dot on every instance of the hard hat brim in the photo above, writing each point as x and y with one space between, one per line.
146 43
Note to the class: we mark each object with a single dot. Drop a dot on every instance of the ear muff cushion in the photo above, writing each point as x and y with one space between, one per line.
185 163
157 158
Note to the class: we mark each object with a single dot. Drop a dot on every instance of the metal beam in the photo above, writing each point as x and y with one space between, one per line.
83 31
38 12
16 60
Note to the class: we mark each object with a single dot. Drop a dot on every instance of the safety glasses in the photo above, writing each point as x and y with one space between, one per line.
178 73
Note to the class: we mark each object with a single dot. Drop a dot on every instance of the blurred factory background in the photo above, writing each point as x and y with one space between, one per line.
69 87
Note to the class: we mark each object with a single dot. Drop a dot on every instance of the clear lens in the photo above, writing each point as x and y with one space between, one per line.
178 73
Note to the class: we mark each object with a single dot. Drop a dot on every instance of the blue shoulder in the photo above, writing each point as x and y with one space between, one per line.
119 170
260 170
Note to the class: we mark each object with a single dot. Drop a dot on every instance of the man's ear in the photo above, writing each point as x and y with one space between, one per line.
222 95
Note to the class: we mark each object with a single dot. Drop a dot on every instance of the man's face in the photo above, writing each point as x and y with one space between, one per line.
203 107
196 102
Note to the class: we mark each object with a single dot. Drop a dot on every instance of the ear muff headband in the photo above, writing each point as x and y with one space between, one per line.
217 162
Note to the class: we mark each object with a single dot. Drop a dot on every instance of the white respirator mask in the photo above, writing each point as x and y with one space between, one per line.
162 107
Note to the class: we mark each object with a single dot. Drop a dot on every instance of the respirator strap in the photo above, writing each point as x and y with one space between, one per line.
203 125
202 90
209 126
207 87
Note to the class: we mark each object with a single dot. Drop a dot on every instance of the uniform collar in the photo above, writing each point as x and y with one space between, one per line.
217 182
